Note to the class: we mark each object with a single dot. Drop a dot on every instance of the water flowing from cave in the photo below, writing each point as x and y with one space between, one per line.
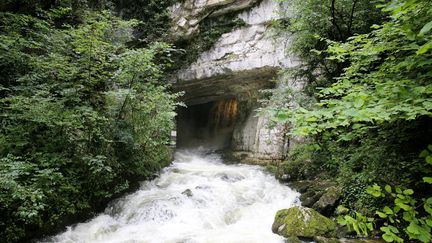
199 198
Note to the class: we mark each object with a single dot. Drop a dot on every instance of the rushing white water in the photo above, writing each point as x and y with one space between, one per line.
227 203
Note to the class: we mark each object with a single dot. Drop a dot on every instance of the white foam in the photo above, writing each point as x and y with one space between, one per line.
229 203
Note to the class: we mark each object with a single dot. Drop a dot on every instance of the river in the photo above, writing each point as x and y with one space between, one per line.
199 198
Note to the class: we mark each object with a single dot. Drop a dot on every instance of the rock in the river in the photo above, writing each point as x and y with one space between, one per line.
312 195
188 193
293 239
320 239
327 202
320 195
302 222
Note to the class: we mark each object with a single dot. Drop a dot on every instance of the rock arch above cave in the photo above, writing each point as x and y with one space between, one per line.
239 65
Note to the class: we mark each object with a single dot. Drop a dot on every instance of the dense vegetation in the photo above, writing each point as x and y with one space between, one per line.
367 67
84 114
85 111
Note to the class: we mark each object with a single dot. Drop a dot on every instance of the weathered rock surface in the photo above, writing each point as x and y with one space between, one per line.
320 195
239 64
320 239
327 202
302 222
293 239
188 14
254 46
255 140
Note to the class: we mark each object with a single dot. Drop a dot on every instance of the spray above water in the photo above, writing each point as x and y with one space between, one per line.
197 199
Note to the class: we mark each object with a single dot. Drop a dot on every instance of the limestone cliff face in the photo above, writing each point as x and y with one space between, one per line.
254 46
239 64
188 14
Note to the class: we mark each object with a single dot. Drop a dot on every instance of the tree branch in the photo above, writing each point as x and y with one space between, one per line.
333 13
350 23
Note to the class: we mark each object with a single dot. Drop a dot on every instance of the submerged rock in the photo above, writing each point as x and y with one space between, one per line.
188 193
302 222
232 178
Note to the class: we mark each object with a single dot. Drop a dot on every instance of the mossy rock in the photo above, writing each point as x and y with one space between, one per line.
293 239
302 222
328 201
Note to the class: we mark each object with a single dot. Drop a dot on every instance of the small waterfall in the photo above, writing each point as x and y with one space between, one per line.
197 199
223 114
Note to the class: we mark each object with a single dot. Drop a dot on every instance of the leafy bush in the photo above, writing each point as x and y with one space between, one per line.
404 217
361 224
83 117
372 93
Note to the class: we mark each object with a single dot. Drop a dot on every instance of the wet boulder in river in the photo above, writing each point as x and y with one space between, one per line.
188 192
302 222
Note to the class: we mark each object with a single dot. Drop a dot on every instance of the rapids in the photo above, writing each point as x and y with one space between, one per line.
224 203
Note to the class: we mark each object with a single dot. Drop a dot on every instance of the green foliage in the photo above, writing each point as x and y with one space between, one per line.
404 216
371 118
388 78
361 224
314 21
83 116
153 15
299 164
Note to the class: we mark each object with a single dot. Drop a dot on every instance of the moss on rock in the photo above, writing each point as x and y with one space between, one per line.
302 222
328 201
293 239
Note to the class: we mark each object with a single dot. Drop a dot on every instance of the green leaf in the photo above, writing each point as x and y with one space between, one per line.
427 180
387 238
374 190
424 48
381 214
312 119
428 209
388 188
426 28
358 102
387 210
413 228
424 154
403 206
408 192
429 159
341 221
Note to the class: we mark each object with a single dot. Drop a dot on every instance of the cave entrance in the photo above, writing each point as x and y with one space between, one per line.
208 124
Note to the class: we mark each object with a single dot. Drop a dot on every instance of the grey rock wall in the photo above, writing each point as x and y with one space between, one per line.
188 14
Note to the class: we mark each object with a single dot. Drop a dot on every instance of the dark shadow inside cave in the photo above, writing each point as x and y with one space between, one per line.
210 124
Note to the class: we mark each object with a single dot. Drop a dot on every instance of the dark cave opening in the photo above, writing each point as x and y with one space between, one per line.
210 124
